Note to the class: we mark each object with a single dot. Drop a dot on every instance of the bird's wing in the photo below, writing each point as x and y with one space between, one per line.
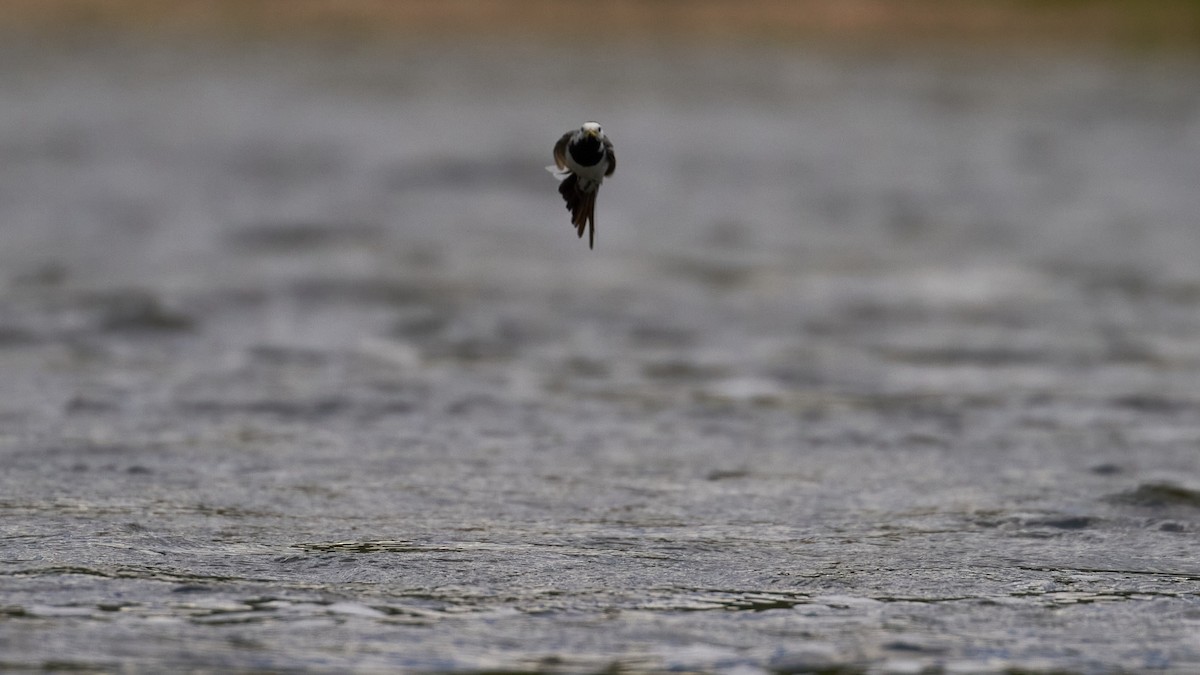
612 157
560 151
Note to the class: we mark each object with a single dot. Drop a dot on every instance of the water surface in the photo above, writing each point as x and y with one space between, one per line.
879 365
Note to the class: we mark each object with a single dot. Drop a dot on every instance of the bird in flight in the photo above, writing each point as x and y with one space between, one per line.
583 158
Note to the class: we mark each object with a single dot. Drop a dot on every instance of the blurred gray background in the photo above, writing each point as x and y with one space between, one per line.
885 360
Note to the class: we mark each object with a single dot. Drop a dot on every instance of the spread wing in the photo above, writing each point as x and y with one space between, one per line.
560 151
612 157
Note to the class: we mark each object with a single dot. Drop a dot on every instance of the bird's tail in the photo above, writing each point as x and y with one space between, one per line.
585 216
582 205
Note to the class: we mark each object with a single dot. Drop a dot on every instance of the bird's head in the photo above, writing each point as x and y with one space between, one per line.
592 130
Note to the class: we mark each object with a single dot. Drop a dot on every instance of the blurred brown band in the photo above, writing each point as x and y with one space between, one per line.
1128 22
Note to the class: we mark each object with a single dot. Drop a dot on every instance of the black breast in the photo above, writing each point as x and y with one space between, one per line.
587 152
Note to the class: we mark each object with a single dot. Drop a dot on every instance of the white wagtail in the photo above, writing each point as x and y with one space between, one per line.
582 159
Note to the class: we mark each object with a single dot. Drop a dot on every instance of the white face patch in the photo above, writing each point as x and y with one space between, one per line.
592 127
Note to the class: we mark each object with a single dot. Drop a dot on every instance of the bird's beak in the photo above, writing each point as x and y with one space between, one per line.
591 132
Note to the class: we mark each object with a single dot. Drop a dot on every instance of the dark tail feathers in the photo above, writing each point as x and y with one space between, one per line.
582 205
